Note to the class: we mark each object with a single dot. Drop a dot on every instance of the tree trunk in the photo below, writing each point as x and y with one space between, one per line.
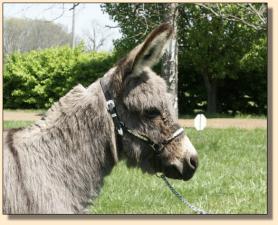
73 24
212 98
211 89
170 60
73 28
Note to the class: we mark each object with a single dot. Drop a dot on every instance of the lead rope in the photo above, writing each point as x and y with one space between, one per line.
180 197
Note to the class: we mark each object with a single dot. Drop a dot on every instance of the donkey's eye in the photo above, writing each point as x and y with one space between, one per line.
152 113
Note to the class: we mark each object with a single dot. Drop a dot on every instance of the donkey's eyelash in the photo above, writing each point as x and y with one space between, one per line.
152 113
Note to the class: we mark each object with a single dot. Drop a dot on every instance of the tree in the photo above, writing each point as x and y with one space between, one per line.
24 35
249 14
216 44
169 70
213 39
74 5
95 37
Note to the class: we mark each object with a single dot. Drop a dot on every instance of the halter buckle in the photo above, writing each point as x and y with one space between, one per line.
120 131
110 104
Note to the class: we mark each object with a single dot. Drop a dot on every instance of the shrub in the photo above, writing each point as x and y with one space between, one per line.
38 78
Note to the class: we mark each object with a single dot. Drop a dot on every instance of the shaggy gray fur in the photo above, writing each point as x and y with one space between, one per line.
57 165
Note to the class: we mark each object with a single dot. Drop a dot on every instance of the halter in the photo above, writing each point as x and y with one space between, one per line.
121 128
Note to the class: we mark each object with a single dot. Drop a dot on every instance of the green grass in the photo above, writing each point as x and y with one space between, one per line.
26 110
231 178
221 115
16 124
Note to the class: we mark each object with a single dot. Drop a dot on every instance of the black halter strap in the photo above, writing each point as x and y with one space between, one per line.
121 128
111 108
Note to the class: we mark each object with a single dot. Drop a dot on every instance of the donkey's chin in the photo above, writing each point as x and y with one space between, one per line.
174 173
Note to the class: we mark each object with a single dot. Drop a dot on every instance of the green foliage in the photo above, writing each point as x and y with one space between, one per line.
211 47
38 78
248 93
227 51
214 45
255 60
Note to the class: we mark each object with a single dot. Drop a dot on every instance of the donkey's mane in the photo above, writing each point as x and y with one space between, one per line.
67 134
75 100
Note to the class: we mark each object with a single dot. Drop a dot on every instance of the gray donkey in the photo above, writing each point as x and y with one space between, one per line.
57 165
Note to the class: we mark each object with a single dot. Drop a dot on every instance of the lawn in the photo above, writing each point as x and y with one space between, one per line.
16 124
231 178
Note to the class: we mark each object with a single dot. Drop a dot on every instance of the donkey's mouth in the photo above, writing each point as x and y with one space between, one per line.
174 173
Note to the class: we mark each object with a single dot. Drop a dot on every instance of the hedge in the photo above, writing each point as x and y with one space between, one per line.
38 78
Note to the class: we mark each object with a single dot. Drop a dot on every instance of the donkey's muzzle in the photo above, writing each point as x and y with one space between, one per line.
182 170
190 167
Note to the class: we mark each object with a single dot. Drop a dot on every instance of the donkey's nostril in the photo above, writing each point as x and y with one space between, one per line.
193 162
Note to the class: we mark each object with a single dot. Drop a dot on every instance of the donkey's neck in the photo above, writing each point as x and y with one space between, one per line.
75 139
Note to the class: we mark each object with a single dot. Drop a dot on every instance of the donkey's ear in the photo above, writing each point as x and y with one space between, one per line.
151 50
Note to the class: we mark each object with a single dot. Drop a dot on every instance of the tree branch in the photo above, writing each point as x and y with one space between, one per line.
257 13
112 27
231 17
74 5
62 13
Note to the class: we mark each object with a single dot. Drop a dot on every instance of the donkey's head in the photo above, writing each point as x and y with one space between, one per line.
145 107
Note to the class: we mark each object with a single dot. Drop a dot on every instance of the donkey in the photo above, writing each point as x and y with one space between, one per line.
57 165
